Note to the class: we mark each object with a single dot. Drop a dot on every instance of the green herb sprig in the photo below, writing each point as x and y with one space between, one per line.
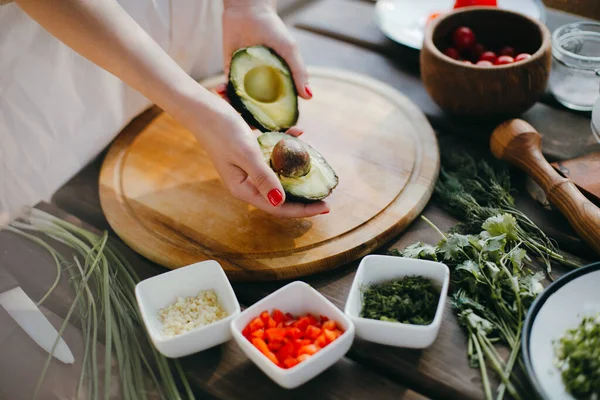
476 190
492 292
577 355
410 300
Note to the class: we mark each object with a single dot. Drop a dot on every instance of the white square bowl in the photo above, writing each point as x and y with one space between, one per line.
379 268
155 293
295 298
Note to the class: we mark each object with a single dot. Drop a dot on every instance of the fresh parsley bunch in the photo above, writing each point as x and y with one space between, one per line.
475 190
492 292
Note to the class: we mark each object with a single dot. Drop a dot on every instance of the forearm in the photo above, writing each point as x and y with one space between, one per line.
102 32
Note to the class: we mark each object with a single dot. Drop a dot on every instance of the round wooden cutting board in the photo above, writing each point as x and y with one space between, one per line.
161 194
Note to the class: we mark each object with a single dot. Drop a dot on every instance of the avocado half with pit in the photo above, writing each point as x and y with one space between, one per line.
261 88
303 172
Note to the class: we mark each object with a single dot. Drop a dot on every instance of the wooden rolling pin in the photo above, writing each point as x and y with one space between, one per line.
518 143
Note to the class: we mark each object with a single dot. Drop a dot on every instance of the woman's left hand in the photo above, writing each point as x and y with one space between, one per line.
255 22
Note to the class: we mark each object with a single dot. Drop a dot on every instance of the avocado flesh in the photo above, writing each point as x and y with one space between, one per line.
317 184
262 89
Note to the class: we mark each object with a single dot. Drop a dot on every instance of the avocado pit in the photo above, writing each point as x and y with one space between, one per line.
290 158
312 178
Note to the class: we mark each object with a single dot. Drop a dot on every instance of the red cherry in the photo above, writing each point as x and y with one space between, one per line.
452 53
463 39
488 56
484 63
507 51
504 60
522 56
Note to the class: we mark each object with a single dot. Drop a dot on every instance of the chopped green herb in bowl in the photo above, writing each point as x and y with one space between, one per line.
409 300
578 358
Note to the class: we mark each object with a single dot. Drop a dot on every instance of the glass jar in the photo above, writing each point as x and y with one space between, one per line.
595 123
575 76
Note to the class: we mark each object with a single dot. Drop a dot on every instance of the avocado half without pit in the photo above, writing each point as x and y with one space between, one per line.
262 89
303 172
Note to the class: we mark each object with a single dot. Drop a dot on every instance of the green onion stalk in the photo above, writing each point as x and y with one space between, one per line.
104 284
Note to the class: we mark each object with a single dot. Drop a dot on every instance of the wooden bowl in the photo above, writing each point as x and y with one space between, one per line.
486 93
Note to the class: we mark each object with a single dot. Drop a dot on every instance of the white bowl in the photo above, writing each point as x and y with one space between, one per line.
296 298
379 268
161 290
558 308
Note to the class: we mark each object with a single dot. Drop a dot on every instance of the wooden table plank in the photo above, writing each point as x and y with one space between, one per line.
587 8
223 372
23 361
567 134
230 375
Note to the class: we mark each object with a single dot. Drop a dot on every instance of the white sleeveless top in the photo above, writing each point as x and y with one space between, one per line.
58 111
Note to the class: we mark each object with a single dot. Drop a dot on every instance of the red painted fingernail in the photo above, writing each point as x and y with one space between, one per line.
275 197
308 90
221 90
325 212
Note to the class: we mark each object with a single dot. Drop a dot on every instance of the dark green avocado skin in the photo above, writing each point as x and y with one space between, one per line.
305 200
239 106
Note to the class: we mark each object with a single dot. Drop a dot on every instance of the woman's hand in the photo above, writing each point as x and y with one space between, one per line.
247 23
255 22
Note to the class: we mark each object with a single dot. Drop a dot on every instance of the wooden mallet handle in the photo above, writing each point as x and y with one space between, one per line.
518 143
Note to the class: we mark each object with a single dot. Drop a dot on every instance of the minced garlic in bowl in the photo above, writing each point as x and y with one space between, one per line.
188 313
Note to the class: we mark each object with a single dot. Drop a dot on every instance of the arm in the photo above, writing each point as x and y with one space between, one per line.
105 34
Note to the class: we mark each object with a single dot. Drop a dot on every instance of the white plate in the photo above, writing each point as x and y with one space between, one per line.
403 21
559 308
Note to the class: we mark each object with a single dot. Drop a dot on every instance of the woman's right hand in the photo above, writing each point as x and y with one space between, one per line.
233 148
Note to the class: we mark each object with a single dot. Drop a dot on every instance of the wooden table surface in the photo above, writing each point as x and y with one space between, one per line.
340 34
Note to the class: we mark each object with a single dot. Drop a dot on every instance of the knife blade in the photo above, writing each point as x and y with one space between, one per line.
29 317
